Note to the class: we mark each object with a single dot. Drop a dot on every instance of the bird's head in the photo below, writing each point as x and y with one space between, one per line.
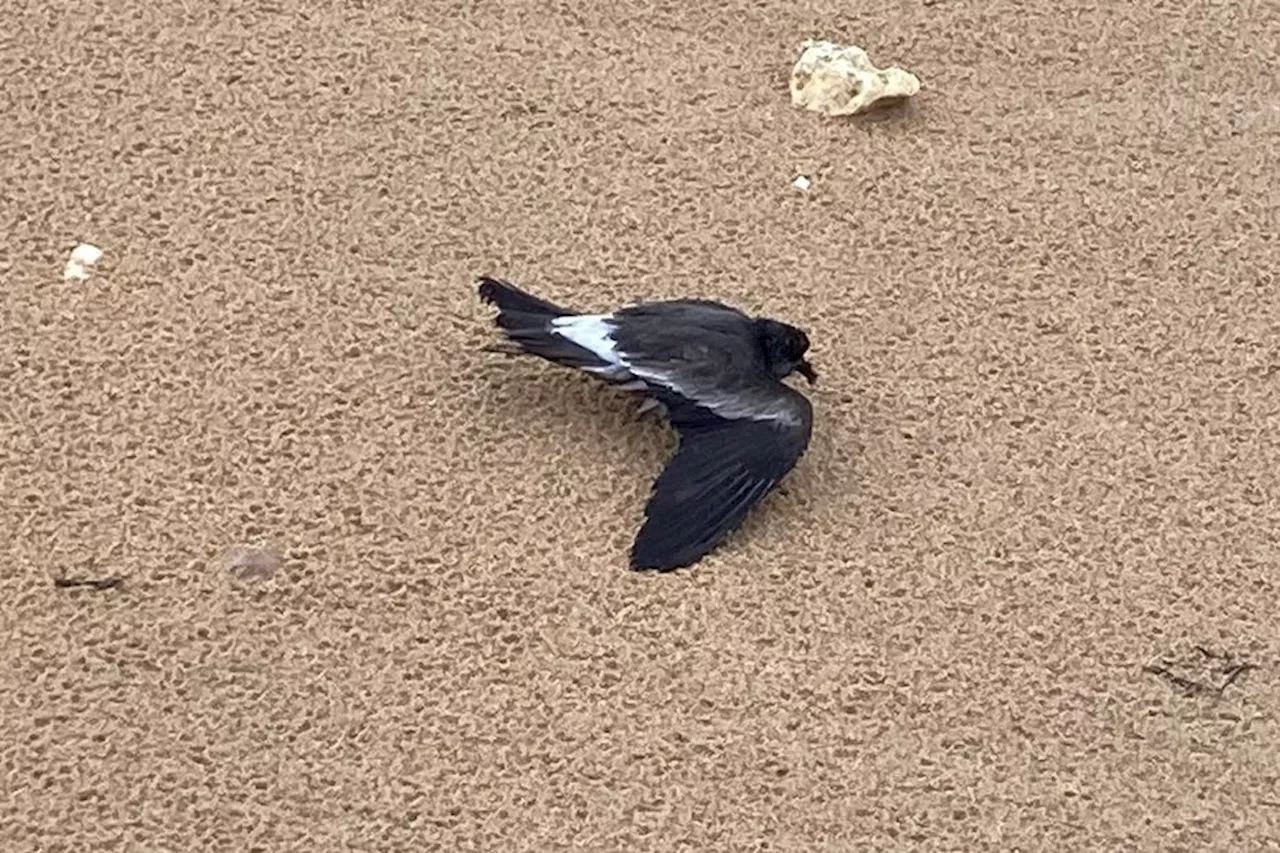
784 348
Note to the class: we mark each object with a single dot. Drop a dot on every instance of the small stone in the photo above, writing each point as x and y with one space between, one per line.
802 183
839 80
251 562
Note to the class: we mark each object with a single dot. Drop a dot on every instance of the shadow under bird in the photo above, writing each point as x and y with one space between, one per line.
714 371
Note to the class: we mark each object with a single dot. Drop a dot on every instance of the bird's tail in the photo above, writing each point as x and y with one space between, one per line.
517 307
526 320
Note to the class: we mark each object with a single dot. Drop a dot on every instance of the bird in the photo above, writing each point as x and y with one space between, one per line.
713 371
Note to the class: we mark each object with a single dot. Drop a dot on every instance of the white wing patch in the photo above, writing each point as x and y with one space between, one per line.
594 333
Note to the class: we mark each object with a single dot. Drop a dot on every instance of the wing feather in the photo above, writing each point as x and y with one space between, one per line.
722 469
704 352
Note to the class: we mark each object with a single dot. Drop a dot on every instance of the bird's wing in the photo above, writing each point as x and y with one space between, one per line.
723 468
702 352
741 430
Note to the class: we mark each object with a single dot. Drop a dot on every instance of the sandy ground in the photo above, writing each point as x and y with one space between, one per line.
1020 595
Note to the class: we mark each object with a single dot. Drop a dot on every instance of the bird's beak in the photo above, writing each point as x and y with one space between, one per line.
806 370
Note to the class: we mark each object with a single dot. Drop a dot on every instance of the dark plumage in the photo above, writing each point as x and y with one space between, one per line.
716 373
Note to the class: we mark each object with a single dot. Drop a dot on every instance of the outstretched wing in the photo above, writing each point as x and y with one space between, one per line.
741 430
723 468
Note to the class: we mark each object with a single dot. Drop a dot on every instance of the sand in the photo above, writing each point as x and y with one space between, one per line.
1020 595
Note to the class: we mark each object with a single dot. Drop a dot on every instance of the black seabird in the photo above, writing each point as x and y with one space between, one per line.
715 372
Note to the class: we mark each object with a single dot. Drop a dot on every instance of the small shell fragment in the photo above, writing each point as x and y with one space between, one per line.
82 258
802 183
251 562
